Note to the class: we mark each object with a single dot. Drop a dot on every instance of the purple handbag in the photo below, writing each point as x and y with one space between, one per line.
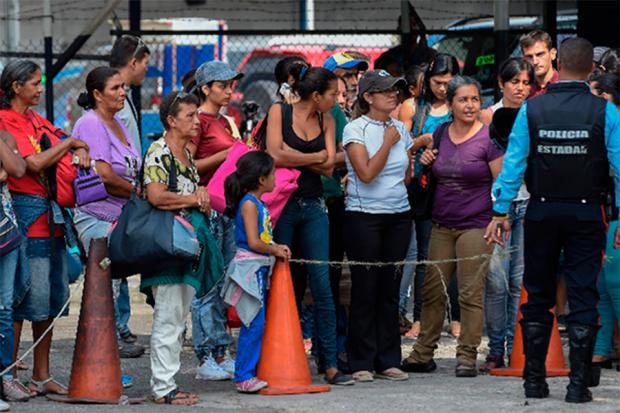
88 187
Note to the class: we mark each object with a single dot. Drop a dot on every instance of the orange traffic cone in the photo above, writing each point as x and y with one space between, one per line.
96 369
554 364
283 361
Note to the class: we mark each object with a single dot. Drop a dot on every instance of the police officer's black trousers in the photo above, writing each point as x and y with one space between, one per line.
584 245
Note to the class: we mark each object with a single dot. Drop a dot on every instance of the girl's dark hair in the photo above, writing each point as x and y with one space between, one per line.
283 70
412 75
171 103
310 79
361 107
283 67
459 81
19 71
188 81
610 61
442 64
189 85
250 168
511 67
95 80
609 83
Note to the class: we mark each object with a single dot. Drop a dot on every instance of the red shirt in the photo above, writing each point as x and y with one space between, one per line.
27 130
215 136
537 90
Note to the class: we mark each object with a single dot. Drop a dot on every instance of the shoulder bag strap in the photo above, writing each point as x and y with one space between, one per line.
287 118
439 133
172 174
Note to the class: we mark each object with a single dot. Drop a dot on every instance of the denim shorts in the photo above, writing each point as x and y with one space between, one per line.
49 281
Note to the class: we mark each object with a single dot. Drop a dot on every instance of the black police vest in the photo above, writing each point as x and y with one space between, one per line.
568 156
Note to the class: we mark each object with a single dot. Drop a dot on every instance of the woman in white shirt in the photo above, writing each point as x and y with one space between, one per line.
378 224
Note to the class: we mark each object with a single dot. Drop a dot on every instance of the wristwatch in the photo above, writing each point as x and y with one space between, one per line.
75 160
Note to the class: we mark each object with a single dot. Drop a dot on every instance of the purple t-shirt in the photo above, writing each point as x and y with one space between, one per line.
105 146
463 195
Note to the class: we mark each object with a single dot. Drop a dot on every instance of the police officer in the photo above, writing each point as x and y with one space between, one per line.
563 142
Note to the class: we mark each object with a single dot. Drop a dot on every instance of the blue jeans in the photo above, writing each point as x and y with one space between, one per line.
209 317
305 219
408 272
503 286
8 268
122 308
49 287
609 290
251 337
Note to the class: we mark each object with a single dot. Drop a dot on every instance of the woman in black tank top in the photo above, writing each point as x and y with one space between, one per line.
302 136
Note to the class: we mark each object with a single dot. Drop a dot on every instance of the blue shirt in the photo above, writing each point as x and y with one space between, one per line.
386 194
507 185
264 224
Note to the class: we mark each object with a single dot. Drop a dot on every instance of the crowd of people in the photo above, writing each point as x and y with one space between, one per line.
388 168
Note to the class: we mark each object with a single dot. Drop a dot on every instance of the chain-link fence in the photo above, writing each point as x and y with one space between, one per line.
173 54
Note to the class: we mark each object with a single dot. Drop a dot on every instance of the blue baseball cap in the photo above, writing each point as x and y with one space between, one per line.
344 60
215 70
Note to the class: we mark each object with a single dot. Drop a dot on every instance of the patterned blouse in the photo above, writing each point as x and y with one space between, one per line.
157 168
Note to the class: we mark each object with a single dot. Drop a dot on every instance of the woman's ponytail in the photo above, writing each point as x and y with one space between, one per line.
233 193
85 101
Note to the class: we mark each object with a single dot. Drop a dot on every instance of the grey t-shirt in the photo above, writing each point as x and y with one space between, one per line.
129 119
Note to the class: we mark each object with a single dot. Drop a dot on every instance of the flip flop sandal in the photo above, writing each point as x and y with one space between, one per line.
178 398
40 387
363 376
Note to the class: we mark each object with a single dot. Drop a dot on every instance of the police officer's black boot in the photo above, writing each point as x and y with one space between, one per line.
536 338
581 340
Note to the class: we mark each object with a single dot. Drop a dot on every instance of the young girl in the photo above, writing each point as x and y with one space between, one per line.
255 175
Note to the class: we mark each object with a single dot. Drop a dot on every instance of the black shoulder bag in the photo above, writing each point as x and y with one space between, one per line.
422 189
146 239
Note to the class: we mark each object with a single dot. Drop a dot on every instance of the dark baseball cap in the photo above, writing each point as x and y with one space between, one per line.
379 81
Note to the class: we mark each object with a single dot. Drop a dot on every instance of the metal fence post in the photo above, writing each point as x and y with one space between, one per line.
135 11
501 28
49 61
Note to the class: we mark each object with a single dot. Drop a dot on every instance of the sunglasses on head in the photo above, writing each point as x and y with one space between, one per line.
179 97
140 45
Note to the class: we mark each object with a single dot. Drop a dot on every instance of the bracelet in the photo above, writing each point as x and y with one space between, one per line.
500 217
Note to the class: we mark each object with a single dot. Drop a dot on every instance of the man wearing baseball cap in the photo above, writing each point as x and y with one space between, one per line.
347 66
